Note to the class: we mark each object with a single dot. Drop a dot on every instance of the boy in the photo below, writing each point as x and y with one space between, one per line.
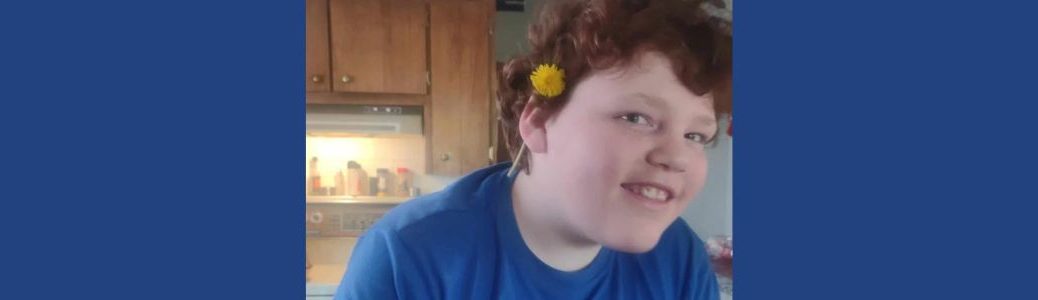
607 119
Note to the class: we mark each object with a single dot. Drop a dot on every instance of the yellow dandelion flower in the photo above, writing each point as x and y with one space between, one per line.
548 80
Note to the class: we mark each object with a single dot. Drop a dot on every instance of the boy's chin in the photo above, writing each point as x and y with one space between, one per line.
633 244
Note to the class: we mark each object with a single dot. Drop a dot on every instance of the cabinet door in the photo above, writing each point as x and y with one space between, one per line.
318 69
379 46
460 97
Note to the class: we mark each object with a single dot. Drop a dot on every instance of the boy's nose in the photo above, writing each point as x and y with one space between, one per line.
669 155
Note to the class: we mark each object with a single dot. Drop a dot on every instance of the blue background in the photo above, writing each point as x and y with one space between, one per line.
885 149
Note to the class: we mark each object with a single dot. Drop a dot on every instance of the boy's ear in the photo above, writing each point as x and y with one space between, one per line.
532 127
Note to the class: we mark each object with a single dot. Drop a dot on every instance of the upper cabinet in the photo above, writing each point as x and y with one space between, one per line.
462 62
318 70
379 46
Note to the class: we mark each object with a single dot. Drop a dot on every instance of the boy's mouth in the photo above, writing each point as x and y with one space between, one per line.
648 190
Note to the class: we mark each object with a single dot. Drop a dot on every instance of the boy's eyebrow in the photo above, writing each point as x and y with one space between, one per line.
660 104
653 101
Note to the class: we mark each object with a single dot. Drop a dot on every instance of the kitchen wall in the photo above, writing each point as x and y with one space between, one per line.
711 211
510 31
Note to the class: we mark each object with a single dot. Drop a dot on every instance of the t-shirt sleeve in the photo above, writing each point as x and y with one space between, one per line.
371 271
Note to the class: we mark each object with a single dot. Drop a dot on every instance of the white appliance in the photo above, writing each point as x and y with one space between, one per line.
365 120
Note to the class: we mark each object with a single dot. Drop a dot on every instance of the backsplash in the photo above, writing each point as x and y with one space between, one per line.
372 153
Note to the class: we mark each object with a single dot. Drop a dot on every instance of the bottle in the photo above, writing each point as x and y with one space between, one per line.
357 179
405 180
372 186
315 176
363 185
381 174
352 185
340 184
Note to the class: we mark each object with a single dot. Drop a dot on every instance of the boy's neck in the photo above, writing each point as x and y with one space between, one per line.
544 228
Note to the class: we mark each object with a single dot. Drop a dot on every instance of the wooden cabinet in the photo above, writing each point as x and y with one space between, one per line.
462 62
367 46
379 46
318 70
434 53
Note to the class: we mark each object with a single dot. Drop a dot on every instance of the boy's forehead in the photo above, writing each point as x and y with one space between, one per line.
652 84
647 73
646 65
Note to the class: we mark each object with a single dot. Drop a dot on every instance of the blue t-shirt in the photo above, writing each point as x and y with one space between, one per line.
463 243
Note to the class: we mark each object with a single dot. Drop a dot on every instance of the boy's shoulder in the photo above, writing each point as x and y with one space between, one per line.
439 233
464 206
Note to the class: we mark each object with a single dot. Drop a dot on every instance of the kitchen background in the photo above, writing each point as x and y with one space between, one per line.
400 103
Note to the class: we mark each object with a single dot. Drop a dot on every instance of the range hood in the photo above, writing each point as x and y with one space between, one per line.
363 120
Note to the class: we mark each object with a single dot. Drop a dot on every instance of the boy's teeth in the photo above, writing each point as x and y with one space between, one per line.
653 193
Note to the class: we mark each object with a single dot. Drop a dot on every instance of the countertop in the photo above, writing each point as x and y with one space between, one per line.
320 289
324 279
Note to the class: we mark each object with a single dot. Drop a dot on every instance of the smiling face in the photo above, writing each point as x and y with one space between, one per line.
625 155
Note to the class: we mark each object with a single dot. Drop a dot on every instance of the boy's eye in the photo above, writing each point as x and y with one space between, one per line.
696 137
635 118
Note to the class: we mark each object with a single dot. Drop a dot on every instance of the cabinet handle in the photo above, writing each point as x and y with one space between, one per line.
346 79
445 157
316 78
